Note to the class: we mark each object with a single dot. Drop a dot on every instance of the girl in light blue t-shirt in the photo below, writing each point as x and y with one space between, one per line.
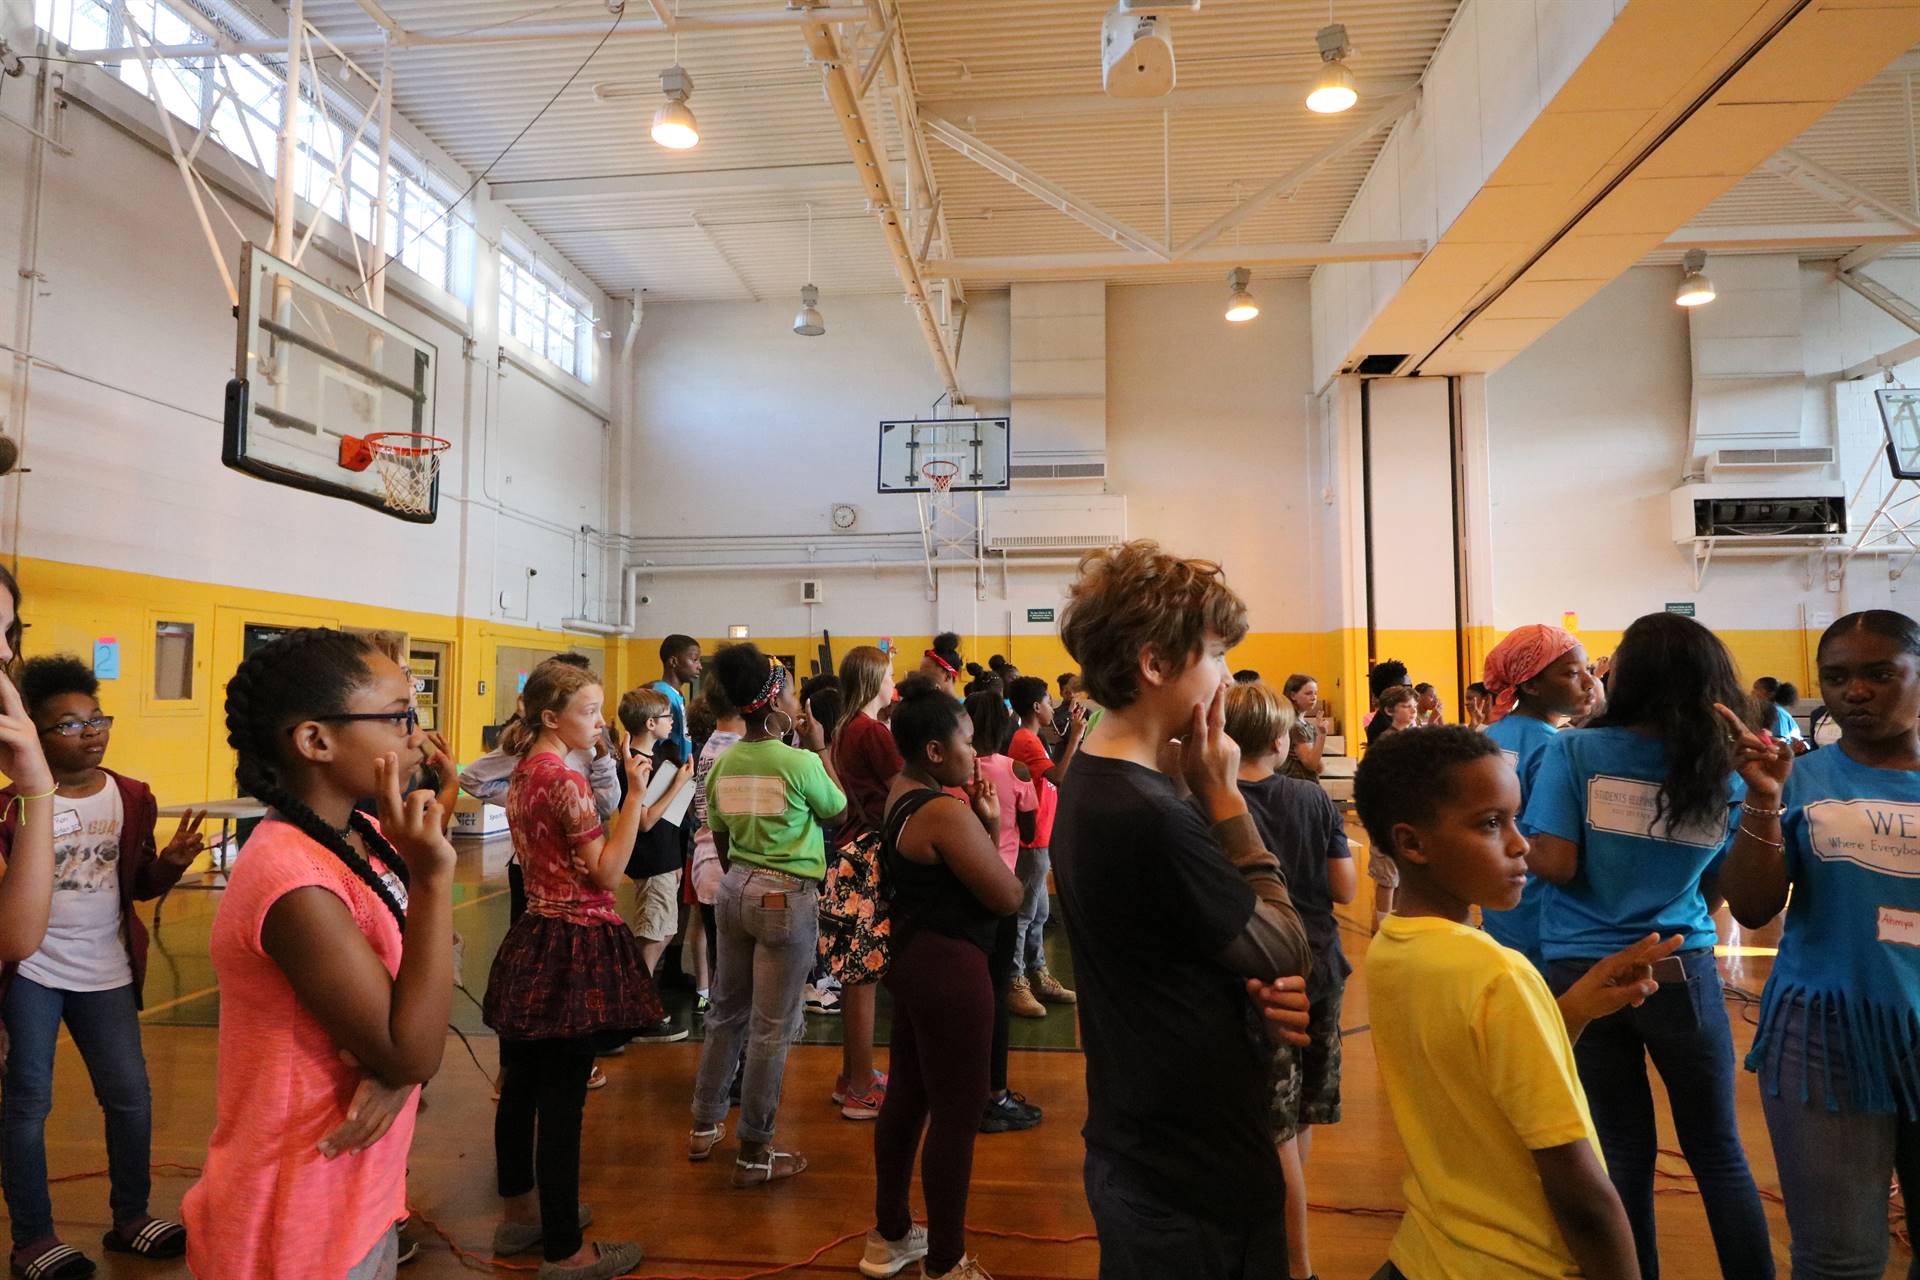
1628 820
1838 1050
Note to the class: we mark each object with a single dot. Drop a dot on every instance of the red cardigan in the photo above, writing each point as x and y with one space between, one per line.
143 876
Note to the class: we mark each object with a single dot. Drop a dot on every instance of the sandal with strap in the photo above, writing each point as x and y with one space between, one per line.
772 1166
156 1238
57 1262
701 1142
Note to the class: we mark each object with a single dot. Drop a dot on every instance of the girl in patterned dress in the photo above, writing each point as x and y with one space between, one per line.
568 980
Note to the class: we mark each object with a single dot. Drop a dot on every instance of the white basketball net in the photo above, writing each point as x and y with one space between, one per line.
940 475
408 466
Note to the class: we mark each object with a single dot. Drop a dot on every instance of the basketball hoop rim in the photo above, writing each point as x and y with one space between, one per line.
941 480
407 444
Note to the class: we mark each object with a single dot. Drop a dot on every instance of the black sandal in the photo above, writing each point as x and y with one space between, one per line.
60 1262
159 1238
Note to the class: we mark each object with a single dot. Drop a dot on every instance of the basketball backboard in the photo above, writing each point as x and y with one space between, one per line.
1900 417
316 373
974 452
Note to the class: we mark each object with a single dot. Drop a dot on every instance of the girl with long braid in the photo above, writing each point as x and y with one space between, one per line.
569 980
333 947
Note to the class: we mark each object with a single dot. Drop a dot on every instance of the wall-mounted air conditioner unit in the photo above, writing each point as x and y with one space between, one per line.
1056 522
1787 514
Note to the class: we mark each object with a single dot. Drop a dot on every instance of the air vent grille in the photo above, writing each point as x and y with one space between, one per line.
1058 471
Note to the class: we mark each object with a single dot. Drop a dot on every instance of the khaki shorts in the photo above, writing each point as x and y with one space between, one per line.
656 908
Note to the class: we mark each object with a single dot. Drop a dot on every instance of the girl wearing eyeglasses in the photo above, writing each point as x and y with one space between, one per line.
86 973
569 979
328 1022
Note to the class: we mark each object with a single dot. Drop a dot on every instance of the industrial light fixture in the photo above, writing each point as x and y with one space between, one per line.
807 322
673 124
1333 89
1695 289
1240 304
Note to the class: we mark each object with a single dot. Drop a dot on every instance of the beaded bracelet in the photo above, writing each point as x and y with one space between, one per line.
21 801
1762 813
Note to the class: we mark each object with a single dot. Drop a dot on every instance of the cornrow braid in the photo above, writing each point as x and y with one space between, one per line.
302 675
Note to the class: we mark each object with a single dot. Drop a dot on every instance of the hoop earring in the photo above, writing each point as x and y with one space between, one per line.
768 722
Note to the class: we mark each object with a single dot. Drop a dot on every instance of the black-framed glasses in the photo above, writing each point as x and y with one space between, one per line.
74 728
410 717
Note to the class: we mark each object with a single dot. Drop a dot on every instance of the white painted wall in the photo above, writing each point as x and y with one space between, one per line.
1588 434
746 435
130 298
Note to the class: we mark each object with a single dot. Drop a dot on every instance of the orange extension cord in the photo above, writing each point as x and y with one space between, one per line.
1895 1225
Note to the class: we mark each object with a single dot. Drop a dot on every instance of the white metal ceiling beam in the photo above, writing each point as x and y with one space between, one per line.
1882 297
923 189
1885 360
786 177
1056 105
1829 186
1093 266
1290 182
721 251
1791 235
381 16
524 33
860 138
1043 189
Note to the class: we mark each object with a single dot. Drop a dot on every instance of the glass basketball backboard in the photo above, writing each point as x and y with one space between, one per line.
316 373
960 454
1900 417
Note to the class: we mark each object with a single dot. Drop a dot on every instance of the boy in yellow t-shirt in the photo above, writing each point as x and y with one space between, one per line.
1506 1177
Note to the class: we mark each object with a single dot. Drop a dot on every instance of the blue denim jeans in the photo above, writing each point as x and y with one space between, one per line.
769 927
1835 1166
106 1030
1684 1029
1030 923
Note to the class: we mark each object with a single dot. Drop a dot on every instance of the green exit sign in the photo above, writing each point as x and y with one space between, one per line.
1039 615
1683 608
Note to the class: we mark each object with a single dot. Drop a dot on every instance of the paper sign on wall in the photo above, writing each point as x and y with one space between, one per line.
106 658
1570 620
520 683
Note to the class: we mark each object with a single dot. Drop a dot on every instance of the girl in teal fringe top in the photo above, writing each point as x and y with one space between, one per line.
1838 1051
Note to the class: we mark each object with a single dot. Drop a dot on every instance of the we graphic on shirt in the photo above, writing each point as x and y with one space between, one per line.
1879 835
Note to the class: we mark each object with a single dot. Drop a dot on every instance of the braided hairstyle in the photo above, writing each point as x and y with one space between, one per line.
303 675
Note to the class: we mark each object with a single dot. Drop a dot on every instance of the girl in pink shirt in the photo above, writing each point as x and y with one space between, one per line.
327 1022
993 726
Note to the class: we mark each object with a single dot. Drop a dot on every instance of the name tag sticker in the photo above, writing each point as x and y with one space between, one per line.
1902 927
66 823
398 890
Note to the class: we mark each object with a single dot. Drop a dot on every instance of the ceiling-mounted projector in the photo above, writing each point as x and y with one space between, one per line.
1136 49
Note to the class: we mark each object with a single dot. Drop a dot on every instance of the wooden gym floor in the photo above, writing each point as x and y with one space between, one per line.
636 1176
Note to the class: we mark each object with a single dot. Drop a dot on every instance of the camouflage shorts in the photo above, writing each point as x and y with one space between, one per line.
1306 1079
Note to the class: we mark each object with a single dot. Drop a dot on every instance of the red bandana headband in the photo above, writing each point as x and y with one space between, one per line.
944 665
776 677
1518 658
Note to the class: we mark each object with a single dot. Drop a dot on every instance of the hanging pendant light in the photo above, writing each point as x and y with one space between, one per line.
673 124
1694 289
1240 304
807 322
1333 90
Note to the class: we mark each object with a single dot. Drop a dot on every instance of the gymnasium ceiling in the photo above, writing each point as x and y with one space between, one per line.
728 220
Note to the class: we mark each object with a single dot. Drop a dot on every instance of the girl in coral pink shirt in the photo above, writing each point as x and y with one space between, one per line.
328 1023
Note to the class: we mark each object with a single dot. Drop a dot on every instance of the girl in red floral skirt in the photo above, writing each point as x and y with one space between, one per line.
568 980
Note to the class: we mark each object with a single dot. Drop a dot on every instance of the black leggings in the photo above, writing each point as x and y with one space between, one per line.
942 1007
516 893
1000 970
546 1079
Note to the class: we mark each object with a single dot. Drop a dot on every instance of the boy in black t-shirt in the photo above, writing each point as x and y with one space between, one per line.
1173 926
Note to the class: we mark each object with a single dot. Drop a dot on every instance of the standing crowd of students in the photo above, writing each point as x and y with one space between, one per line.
1550 932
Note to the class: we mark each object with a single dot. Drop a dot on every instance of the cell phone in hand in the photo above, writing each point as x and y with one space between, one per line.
1669 971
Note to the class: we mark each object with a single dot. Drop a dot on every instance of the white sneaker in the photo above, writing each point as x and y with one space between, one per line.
821 1000
968 1268
886 1257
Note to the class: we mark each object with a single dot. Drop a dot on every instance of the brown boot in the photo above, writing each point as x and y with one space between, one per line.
1020 1001
1048 988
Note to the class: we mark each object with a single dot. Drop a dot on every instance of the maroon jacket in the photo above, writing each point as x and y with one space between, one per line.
143 876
